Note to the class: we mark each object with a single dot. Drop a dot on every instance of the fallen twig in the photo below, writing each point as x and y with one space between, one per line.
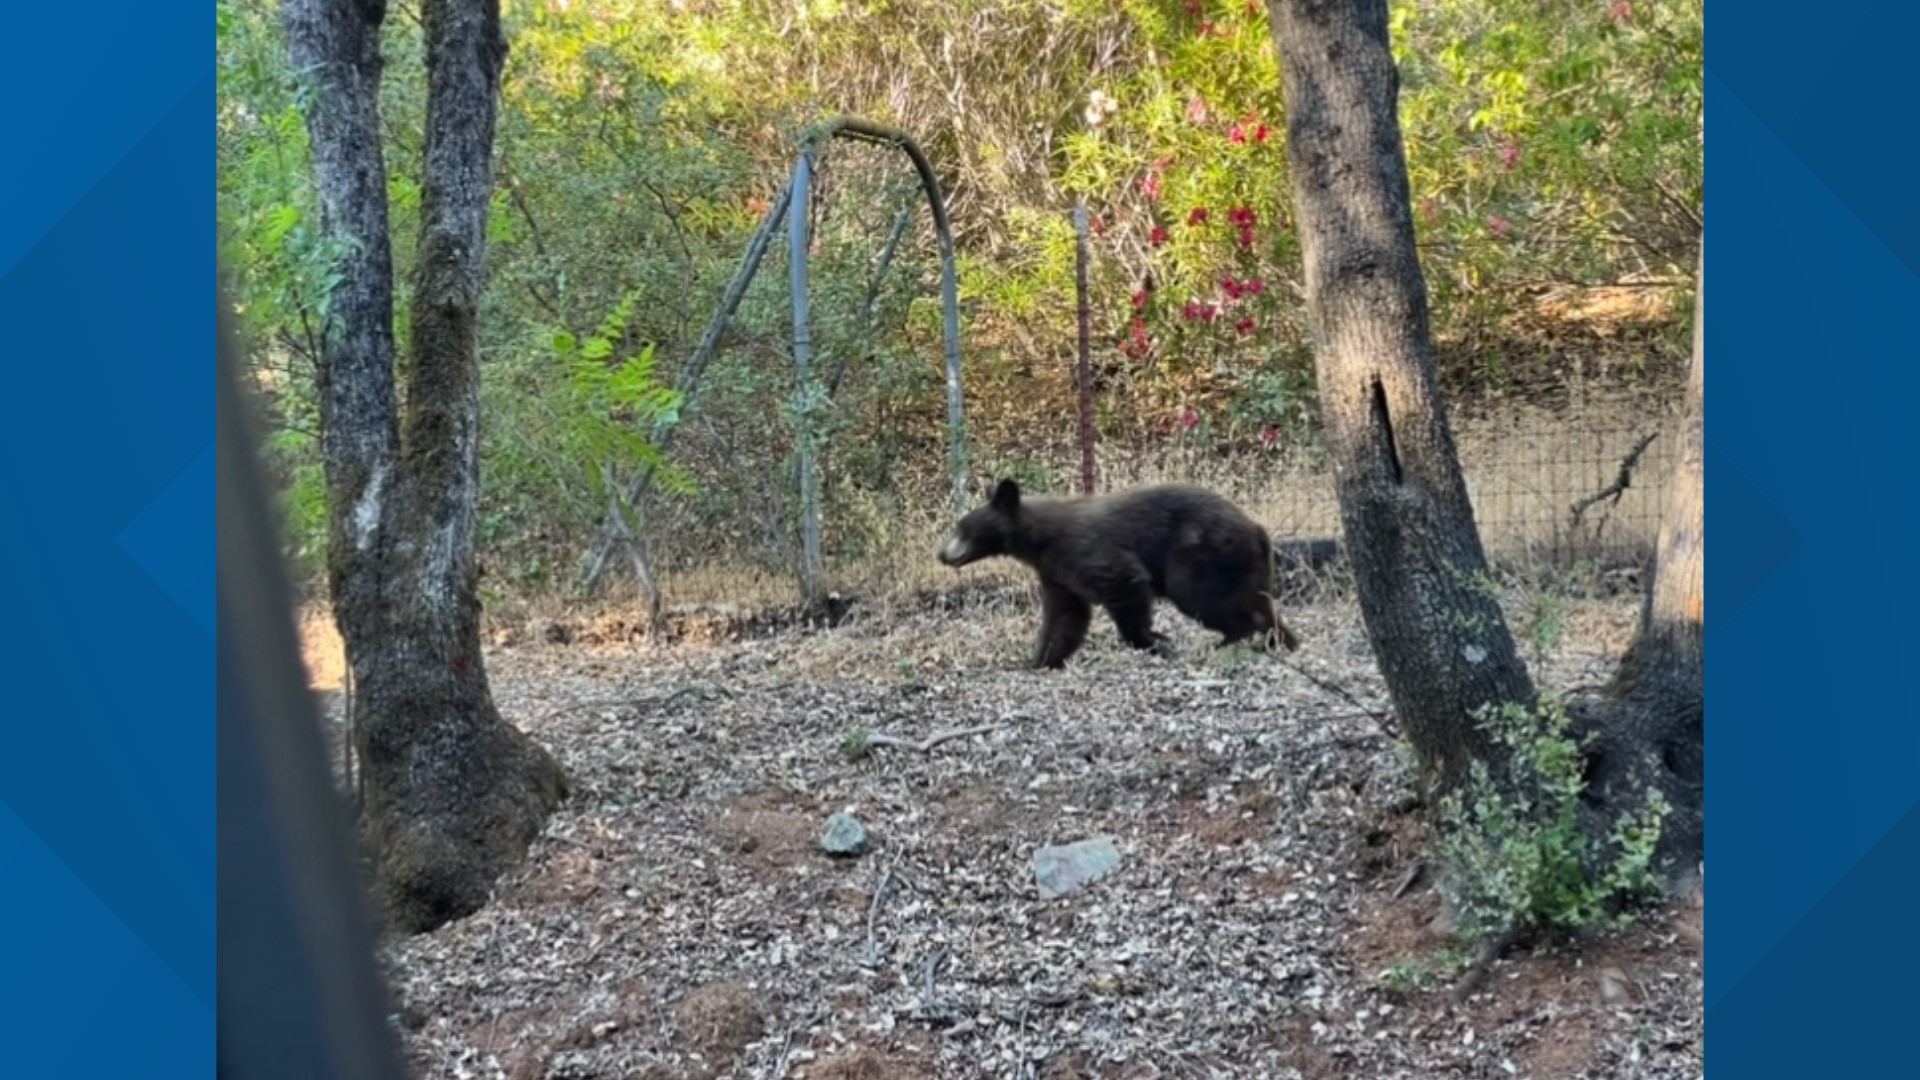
1384 720
1476 974
873 913
657 701
1407 879
927 744
932 1010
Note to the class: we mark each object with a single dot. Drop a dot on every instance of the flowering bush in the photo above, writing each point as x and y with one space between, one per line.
1524 162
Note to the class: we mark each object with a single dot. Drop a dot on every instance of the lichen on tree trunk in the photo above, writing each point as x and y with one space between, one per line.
1431 613
454 794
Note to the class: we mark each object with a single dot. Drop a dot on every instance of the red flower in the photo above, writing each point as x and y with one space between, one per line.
1241 215
1509 154
1099 225
1140 300
1244 327
1498 225
1189 419
1254 286
1158 236
1231 287
1260 133
1237 135
1199 309
1197 216
1268 435
1246 236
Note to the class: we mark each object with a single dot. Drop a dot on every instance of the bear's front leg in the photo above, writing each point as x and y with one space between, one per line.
1064 618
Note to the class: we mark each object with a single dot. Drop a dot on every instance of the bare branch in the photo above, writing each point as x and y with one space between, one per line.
1621 481
873 914
930 742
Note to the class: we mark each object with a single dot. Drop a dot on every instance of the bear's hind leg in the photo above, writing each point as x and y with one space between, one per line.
1064 618
1133 617
1257 618
1272 630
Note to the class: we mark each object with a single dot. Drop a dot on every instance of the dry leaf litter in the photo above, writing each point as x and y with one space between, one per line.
680 917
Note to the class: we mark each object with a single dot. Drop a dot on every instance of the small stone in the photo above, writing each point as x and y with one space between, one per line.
1615 987
1068 868
844 836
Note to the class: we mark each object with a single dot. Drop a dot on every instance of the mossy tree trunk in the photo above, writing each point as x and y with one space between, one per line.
1431 614
454 794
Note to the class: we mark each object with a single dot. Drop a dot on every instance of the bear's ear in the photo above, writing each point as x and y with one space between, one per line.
1006 497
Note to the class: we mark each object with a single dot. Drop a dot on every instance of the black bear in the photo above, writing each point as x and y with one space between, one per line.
1123 549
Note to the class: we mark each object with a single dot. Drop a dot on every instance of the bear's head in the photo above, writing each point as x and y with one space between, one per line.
987 531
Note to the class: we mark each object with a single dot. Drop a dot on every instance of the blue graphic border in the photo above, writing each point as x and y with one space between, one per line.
106 532
106 777
1812 730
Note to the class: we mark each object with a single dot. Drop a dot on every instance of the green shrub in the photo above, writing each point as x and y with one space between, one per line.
1514 853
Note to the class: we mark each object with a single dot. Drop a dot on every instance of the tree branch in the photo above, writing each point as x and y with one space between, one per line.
930 742
1621 481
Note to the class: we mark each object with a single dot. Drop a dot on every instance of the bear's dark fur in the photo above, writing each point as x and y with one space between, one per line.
1120 551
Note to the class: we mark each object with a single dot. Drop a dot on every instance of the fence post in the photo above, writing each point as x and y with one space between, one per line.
1085 367
797 207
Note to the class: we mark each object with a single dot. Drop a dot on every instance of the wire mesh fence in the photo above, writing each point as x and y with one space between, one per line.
1574 487
1560 487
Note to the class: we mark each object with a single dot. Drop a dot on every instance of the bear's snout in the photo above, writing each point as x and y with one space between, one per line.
955 551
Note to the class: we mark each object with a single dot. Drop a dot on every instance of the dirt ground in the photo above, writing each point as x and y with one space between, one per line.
678 919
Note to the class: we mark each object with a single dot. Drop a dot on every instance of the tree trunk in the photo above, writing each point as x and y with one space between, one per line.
1425 592
1648 727
454 794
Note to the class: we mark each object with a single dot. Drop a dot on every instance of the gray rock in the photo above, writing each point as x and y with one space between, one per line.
1070 867
1615 988
844 836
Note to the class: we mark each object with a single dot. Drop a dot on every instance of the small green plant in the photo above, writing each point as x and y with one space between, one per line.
856 744
1420 973
1515 852
1549 612
1234 658
617 403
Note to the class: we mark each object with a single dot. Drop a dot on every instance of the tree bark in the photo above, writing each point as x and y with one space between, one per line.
1647 728
1431 614
454 794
